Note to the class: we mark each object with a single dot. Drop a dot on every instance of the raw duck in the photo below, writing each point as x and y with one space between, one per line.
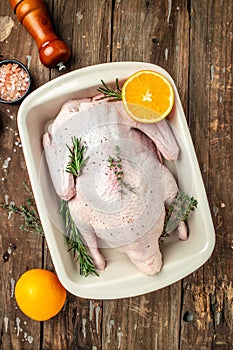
129 218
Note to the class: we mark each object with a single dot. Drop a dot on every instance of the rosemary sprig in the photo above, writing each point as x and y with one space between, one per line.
76 156
116 166
28 212
109 92
76 244
179 211
74 239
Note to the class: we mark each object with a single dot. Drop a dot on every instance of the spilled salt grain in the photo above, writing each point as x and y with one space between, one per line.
29 58
6 321
29 339
84 321
6 199
17 326
6 163
12 287
11 211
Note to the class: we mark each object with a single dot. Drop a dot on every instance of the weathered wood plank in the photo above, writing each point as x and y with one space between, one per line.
208 292
86 27
78 326
19 251
143 321
156 32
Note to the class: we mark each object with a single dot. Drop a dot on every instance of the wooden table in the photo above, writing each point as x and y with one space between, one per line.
192 40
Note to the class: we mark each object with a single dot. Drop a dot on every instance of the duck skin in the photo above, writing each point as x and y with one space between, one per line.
124 212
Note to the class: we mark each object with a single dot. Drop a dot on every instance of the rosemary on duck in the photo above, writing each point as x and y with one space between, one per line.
109 92
74 239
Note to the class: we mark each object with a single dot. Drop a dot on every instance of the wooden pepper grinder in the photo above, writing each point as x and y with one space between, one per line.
33 14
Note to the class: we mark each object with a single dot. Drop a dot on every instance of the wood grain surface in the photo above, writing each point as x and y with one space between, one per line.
192 40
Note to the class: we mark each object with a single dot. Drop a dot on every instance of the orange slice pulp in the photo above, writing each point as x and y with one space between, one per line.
148 96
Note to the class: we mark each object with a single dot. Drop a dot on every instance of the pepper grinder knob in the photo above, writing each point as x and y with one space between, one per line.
33 14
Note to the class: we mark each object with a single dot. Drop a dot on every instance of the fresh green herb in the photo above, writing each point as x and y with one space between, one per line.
76 244
109 92
28 213
116 166
74 239
178 211
33 224
76 155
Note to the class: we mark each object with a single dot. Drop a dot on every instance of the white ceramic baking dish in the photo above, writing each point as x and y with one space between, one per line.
120 278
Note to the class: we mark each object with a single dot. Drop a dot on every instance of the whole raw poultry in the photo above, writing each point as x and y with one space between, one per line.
130 219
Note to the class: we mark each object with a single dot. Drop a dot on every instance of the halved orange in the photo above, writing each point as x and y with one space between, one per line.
148 96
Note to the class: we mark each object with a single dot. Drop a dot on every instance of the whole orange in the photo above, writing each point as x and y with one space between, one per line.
39 294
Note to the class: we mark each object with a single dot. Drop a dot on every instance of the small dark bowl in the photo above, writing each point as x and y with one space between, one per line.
23 67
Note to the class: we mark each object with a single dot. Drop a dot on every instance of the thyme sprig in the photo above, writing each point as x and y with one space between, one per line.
109 92
76 156
76 244
33 224
115 164
179 211
28 212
